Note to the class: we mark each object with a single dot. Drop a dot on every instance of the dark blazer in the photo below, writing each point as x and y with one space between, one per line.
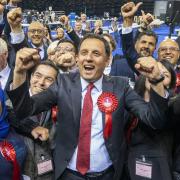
120 67
25 43
35 148
1 28
66 94
129 51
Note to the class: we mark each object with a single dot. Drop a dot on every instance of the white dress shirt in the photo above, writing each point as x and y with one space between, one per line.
4 75
99 157
41 53
17 38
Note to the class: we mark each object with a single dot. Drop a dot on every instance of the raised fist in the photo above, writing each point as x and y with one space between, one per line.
64 20
14 17
26 58
2 3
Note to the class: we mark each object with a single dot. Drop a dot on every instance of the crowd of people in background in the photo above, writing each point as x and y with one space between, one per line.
72 109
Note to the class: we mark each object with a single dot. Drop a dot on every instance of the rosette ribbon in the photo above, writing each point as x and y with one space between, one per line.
107 103
178 80
8 152
54 111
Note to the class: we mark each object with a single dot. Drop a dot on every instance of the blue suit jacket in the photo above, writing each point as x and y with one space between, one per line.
120 67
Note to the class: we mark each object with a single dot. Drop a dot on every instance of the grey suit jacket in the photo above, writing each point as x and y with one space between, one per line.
66 94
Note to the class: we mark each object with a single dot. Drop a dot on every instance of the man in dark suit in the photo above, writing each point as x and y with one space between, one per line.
43 75
36 33
145 42
90 149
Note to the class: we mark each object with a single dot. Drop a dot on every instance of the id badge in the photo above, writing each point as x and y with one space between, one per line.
144 168
44 166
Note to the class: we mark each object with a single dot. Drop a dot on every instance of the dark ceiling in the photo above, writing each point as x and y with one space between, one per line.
91 7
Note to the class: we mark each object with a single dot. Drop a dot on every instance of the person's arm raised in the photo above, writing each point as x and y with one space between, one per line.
148 67
26 58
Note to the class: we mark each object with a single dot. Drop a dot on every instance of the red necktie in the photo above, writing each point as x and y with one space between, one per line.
83 154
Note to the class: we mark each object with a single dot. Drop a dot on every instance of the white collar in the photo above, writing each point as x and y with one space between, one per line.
97 84
41 47
5 71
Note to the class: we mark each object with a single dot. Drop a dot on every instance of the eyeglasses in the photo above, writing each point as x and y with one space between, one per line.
60 49
165 49
38 31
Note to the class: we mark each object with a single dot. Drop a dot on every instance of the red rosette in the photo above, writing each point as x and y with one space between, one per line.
54 111
107 103
178 80
8 152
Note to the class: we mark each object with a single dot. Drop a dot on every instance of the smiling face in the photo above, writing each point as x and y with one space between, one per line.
42 78
36 33
169 50
145 46
92 59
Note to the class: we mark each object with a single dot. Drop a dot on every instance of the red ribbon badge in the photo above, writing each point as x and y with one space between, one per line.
54 111
178 80
107 103
8 152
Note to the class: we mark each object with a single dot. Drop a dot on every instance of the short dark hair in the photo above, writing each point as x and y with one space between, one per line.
146 33
46 63
68 41
112 41
99 37
170 69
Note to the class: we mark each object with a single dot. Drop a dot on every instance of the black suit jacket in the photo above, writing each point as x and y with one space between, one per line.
25 43
129 50
66 94
120 67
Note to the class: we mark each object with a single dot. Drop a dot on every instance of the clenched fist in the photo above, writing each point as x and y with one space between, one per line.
26 58
14 18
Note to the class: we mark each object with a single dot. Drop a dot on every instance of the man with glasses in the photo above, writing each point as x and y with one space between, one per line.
65 56
169 50
36 33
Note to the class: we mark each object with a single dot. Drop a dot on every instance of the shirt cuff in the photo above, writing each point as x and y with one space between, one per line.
1 19
126 30
17 38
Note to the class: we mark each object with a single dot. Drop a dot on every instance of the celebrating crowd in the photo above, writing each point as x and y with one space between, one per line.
72 110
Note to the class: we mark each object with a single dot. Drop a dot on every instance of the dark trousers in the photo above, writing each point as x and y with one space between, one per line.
73 175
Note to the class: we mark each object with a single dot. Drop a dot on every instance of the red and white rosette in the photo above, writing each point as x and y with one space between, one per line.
54 112
177 79
8 152
107 103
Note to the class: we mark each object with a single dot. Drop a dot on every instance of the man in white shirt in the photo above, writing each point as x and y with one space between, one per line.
84 149
36 33
5 71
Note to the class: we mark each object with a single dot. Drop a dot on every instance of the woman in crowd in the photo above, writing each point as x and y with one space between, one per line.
98 27
12 147
47 39
150 150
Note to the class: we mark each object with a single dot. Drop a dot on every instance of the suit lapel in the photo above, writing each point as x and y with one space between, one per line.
9 81
76 97
107 86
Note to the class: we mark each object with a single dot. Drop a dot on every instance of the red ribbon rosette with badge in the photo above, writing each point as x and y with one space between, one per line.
107 103
178 80
8 152
54 112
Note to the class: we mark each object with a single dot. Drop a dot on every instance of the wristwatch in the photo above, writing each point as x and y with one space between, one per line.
156 81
